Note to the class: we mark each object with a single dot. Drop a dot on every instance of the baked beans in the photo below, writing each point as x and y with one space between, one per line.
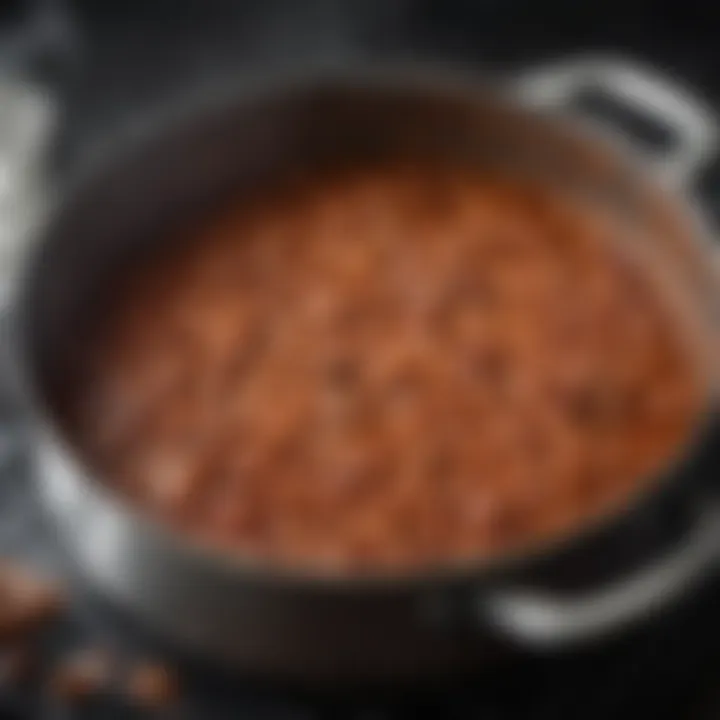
387 369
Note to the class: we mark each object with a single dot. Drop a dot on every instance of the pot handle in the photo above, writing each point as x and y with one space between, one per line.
543 620
654 97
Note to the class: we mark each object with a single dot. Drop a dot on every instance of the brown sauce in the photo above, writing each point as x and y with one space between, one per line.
387 369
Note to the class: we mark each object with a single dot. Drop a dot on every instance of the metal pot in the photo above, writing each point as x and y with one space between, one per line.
583 587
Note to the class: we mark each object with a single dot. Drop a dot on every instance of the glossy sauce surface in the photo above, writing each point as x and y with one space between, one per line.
386 369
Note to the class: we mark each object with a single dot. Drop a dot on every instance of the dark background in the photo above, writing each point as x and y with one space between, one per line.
115 56
108 60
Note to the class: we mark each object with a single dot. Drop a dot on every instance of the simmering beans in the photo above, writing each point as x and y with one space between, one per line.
387 369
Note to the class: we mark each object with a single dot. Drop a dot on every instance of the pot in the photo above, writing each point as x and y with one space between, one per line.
585 587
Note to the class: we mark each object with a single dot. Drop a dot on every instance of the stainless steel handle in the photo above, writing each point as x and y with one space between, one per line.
642 90
543 620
